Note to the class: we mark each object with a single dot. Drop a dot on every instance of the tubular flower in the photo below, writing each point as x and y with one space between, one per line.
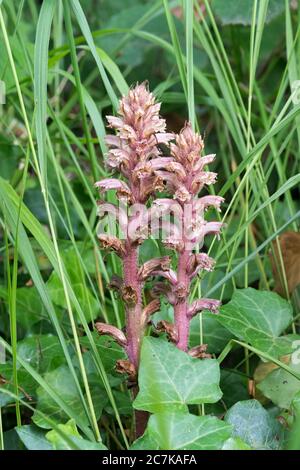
185 177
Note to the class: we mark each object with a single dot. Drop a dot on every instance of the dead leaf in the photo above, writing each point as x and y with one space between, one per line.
290 249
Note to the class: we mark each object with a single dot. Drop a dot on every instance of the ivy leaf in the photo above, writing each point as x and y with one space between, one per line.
235 443
258 317
280 386
214 334
109 351
61 381
253 424
33 437
184 431
27 385
169 379
234 386
88 302
42 352
29 305
240 12
293 437
145 443
86 299
73 437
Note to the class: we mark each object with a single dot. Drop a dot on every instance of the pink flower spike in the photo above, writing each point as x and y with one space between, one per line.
109 242
115 122
162 288
182 194
138 226
151 308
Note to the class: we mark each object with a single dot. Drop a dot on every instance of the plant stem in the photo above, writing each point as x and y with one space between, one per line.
134 326
180 310
134 329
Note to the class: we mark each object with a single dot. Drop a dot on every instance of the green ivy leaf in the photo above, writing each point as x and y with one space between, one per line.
258 317
214 334
234 386
184 431
27 385
33 437
61 380
42 352
293 437
280 386
240 12
253 424
235 443
169 379
145 443
29 305
88 302
109 351
70 430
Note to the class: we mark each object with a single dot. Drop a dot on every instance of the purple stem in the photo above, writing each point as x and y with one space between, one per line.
134 329
181 308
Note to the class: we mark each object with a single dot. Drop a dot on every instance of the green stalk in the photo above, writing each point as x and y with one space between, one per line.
51 226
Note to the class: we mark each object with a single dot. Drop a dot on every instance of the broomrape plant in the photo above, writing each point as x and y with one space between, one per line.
134 153
186 177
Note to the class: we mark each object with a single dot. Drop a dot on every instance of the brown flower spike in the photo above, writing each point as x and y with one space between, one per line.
186 177
133 152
